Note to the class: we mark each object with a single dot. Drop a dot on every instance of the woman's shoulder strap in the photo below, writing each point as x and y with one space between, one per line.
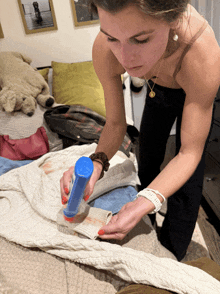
188 46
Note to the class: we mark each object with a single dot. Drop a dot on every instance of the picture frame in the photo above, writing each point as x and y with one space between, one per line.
37 16
81 13
1 32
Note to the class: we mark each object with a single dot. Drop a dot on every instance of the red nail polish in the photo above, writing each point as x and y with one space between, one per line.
64 200
66 190
101 232
86 197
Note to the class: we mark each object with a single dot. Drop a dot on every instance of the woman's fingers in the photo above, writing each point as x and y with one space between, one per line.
91 183
65 184
67 177
115 236
112 230
88 190
122 223
107 233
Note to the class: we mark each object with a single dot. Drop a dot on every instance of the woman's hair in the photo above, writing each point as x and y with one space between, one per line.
168 10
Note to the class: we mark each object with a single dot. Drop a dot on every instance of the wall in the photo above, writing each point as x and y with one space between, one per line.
67 44
210 9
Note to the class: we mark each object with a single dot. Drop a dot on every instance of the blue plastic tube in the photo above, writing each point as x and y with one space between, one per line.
83 171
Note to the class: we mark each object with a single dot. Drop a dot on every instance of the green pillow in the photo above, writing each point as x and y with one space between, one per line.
77 83
44 72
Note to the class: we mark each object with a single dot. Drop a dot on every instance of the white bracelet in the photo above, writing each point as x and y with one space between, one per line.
156 192
150 194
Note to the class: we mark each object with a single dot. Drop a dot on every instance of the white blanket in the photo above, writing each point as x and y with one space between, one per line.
29 204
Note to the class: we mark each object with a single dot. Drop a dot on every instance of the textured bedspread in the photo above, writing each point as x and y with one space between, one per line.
29 205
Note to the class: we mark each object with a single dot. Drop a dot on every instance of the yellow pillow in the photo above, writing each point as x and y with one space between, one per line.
77 83
44 72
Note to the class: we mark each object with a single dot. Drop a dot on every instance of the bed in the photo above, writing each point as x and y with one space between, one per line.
40 253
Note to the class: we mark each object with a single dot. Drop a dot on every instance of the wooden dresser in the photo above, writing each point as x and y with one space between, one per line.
211 184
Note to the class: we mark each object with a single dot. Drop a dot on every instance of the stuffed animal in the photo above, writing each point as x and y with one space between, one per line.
21 85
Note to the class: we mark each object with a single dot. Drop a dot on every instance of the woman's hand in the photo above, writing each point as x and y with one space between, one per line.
67 177
127 218
94 178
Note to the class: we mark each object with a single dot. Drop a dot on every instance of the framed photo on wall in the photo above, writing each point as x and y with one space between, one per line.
81 13
37 16
1 32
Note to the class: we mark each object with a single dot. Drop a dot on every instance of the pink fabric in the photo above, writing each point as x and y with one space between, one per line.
28 148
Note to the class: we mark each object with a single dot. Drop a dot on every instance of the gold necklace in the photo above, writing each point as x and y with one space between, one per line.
174 38
152 94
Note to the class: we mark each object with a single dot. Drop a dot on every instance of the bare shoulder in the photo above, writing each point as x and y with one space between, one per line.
105 63
200 70
109 72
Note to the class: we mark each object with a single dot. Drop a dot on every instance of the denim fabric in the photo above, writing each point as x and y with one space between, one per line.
115 199
8 164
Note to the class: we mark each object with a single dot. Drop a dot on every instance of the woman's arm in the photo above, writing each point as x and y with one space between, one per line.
109 73
200 79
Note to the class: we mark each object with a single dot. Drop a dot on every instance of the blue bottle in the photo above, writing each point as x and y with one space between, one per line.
83 171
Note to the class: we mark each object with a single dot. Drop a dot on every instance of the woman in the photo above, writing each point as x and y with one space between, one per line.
169 44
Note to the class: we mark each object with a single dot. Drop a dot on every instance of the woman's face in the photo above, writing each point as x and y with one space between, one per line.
137 40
